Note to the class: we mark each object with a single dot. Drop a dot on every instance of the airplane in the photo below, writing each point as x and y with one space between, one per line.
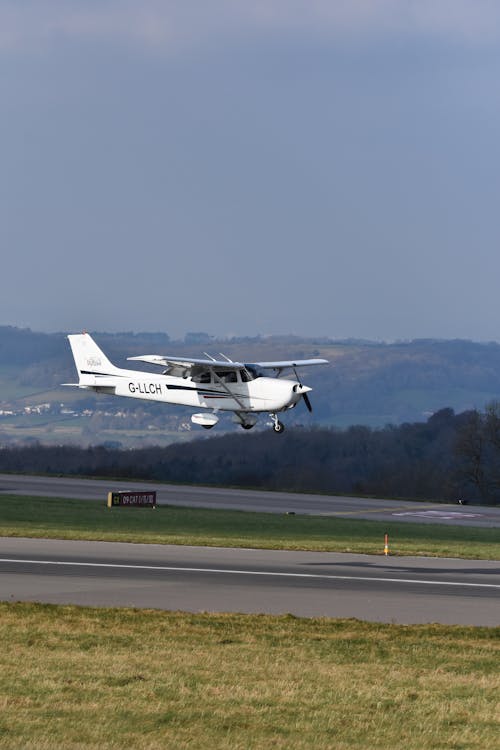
211 384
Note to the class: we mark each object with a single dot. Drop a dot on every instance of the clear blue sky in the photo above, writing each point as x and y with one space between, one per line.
274 166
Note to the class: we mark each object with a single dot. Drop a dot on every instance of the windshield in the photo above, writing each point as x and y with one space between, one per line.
252 373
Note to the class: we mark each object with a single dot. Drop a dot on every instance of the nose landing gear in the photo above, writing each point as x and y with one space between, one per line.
277 425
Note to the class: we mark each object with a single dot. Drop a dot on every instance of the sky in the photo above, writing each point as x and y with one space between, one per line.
310 167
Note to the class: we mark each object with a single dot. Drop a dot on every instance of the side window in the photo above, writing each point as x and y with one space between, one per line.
227 376
202 377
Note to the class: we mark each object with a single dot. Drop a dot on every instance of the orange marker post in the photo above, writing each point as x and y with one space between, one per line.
386 544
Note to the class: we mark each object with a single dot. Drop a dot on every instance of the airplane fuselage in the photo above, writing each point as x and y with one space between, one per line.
259 395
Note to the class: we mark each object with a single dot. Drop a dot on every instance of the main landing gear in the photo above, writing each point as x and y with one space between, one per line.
245 420
277 425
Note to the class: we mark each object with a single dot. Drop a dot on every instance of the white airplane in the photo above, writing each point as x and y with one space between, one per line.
217 385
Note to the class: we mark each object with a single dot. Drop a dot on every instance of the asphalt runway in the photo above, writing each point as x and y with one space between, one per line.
253 500
195 579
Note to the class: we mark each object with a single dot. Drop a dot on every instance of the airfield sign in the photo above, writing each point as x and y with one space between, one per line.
132 499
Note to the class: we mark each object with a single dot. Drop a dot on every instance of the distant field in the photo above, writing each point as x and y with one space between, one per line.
9 387
71 431
73 678
83 519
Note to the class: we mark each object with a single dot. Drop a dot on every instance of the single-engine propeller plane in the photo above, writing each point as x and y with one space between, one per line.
211 384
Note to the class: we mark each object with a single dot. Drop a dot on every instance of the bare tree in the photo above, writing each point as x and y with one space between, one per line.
470 450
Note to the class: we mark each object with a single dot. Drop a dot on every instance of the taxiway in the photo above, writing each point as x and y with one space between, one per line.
255 500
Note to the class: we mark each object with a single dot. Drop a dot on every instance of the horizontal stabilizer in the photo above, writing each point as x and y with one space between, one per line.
98 382
93 381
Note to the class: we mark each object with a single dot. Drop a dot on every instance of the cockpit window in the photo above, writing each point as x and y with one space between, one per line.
251 373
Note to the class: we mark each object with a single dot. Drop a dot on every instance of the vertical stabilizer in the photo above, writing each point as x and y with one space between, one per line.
89 359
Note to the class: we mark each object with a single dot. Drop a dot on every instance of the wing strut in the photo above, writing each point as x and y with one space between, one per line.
228 390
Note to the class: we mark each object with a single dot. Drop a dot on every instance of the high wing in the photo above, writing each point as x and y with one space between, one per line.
283 364
164 361
184 365
181 366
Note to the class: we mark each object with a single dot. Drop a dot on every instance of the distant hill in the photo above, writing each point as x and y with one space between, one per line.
369 383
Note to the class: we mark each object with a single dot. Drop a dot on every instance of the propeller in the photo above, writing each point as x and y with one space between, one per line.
307 402
304 392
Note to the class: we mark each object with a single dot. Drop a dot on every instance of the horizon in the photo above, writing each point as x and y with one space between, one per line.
260 336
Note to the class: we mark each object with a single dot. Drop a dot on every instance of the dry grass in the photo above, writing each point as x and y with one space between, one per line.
93 678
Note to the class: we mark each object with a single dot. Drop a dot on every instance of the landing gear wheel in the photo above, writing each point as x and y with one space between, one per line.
277 425
247 426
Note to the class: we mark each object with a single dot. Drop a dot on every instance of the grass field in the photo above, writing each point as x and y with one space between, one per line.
95 678
72 431
78 519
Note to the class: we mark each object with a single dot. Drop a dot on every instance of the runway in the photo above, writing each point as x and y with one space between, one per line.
195 579
254 500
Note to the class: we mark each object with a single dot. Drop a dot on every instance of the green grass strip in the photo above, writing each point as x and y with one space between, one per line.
101 679
86 519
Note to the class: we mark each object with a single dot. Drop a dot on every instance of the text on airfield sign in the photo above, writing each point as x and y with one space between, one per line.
132 499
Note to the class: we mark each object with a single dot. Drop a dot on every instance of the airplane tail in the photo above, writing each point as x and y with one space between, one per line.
89 359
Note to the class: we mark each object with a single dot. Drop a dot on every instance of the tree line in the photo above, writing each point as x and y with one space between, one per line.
448 457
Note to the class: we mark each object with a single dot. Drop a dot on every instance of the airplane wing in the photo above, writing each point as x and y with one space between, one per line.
157 359
188 362
281 365
183 365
